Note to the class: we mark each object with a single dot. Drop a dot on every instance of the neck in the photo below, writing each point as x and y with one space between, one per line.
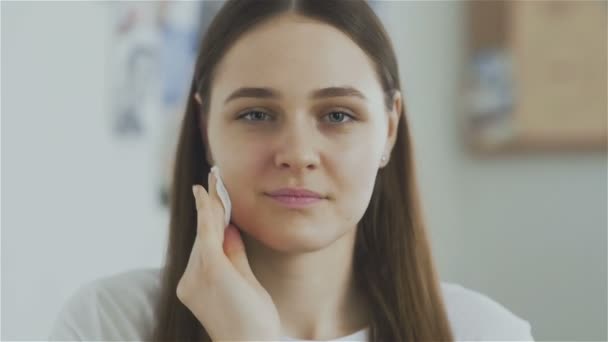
315 292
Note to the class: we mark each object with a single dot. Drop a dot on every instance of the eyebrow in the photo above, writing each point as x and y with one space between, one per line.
269 93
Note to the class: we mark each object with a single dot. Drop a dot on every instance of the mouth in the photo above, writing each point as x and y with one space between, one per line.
296 202
295 192
296 198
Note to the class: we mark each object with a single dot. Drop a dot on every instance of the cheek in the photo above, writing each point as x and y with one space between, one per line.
240 158
243 166
354 177
246 195
243 169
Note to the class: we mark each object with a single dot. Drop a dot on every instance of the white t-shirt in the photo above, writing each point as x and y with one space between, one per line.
120 308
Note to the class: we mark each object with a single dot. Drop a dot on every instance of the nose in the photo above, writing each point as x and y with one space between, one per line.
297 151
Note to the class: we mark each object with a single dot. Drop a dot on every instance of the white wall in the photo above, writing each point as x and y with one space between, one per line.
77 204
528 231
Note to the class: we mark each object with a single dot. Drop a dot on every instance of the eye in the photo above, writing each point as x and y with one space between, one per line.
255 115
339 117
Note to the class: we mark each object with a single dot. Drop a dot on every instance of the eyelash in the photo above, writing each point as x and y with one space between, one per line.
351 118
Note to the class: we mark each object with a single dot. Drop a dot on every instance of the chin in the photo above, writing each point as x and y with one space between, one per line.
293 238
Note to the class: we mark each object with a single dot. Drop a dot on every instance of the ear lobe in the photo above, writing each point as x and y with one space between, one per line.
383 160
198 99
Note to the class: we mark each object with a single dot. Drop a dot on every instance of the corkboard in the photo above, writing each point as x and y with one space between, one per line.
557 53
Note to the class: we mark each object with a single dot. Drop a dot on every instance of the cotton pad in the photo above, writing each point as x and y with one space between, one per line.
223 194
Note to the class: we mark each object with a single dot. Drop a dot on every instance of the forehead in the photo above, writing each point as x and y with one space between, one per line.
295 54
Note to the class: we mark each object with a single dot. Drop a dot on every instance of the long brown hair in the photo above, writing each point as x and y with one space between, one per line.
393 264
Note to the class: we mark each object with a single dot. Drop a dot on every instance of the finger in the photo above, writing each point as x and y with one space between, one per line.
204 219
234 248
201 198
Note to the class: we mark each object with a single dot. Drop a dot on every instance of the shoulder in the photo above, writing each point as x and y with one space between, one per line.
476 317
115 307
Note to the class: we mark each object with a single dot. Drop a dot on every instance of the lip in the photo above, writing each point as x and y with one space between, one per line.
295 192
295 197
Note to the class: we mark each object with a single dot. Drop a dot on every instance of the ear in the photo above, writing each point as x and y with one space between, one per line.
198 99
394 116
203 130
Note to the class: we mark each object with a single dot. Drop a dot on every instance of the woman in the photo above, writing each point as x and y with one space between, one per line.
299 104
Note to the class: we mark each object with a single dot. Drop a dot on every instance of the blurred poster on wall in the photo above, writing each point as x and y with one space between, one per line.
134 66
153 50
538 76
561 49
182 26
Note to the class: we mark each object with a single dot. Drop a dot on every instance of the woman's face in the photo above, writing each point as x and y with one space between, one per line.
296 104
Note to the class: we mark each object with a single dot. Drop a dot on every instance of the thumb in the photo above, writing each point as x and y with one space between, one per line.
234 248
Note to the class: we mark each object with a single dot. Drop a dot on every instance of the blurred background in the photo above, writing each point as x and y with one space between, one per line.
506 100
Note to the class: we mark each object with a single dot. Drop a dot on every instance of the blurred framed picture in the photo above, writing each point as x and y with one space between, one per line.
537 76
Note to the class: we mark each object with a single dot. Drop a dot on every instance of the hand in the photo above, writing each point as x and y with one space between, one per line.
218 285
